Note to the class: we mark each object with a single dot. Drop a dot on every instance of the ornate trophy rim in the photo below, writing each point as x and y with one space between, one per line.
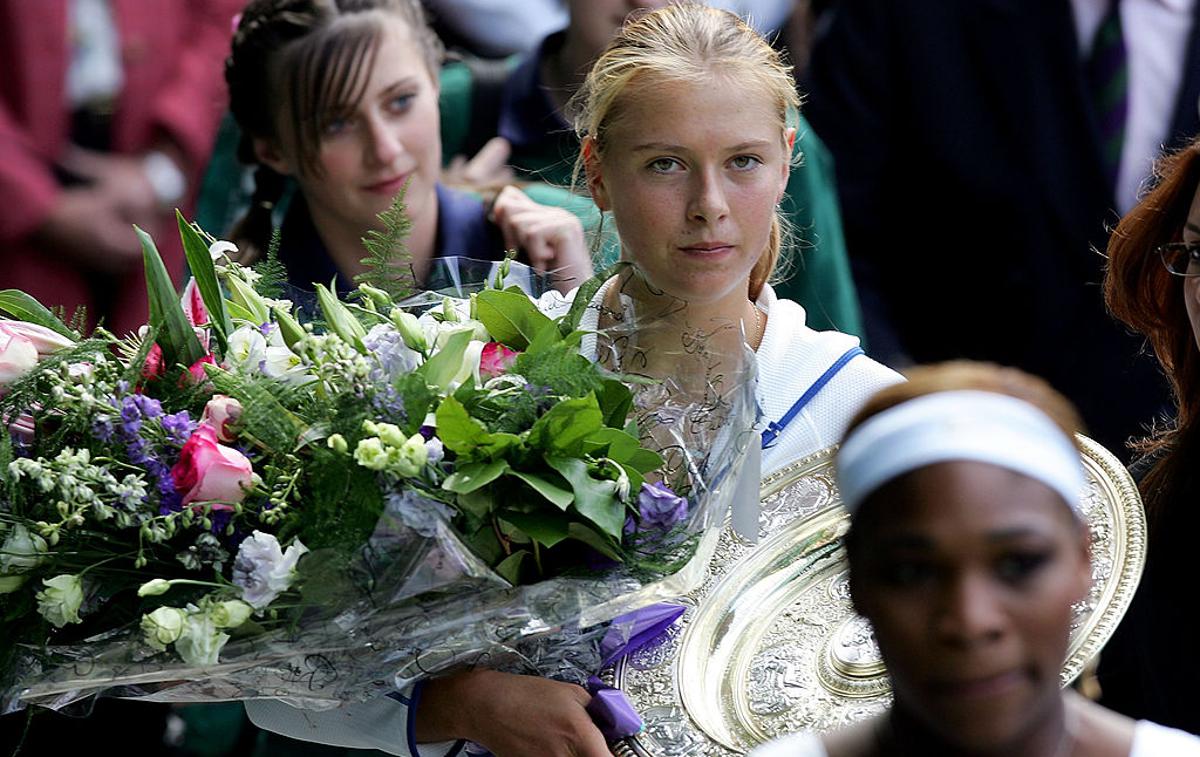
707 660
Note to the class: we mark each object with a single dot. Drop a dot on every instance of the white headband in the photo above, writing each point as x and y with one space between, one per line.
958 425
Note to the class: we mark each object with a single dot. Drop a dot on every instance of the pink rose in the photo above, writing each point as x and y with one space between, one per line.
44 340
222 413
496 359
210 471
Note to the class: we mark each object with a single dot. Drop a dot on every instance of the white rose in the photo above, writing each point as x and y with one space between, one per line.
200 641
59 602
163 626
22 551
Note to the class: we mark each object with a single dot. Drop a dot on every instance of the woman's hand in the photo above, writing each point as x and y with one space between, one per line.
552 238
511 715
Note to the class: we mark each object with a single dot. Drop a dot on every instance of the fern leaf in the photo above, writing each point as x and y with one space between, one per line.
388 262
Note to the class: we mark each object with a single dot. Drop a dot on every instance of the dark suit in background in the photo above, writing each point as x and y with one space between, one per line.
974 196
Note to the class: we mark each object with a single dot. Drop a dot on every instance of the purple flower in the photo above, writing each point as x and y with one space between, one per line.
102 427
130 412
179 426
147 406
660 507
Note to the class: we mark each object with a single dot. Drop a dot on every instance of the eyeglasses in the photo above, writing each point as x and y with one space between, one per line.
1181 258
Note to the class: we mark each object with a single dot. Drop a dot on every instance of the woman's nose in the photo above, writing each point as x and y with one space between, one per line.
384 142
708 203
971 612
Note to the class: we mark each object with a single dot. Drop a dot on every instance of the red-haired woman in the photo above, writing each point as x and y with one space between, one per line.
1151 666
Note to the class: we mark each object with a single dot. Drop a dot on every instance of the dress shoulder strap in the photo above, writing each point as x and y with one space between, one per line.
775 428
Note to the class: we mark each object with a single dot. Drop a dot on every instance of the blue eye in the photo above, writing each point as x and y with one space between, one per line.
745 162
401 103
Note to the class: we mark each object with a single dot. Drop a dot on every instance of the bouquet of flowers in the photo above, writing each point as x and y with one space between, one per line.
235 504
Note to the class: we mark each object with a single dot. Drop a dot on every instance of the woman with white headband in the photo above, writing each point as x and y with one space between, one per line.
966 552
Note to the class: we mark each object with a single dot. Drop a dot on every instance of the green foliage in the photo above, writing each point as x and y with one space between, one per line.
22 307
418 400
205 275
561 368
563 429
595 498
387 256
264 418
344 502
175 335
441 369
271 273
510 317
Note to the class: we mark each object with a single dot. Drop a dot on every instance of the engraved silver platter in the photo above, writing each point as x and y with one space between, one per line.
770 644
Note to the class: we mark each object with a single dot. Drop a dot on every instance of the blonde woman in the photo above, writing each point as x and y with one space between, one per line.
685 141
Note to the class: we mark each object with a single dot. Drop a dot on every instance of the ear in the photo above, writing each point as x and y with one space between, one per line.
789 138
269 154
594 174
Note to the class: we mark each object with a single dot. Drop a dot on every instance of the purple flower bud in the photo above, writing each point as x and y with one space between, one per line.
102 428
148 406
660 507
179 426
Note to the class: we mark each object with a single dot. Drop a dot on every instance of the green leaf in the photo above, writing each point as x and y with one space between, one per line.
548 338
510 317
345 502
564 427
595 499
546 528
341 320
560 497
239 312
615 401
586 293
596 541
248 302
459 432
201 265
477 503
620 446
483 541
23 307
473 476
388 262
445 364
644 460
513 567
289 328
175 335
418 399
498 444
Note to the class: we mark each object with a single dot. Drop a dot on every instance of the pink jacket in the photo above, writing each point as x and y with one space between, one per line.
172 55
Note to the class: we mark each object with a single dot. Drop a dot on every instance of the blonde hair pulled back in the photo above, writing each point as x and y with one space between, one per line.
684 43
